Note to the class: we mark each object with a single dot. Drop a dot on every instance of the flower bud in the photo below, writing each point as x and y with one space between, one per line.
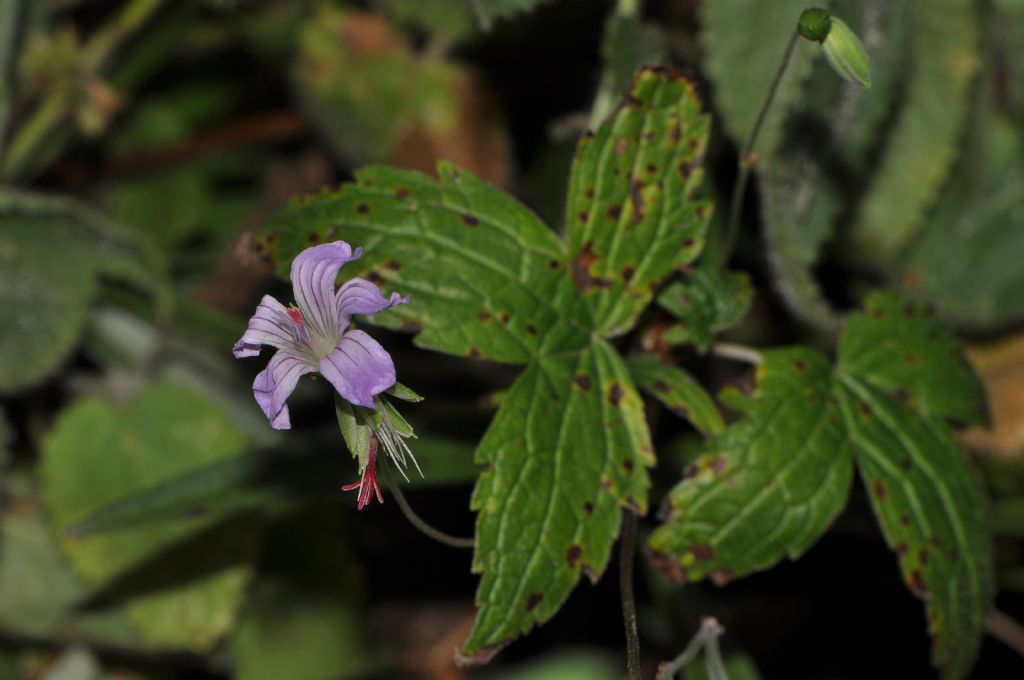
846 54
814 24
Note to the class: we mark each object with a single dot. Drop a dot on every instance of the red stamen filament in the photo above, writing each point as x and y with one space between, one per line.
368 485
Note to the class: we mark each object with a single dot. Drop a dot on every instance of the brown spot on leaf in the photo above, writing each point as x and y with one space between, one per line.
676 133
581 270
615 394
628 465
879 488
410 325
401 192
721 577
667 565
917 583
533 600
531 329
484 316
922 556
583 216
864 409
652 168
588 508
589 193
686 169
877 312
637 198
662 386
688 243
627 274
374 277
902 395
901 549
554 264
905 520
583 382
621 145
906 463
313 238
470 220
702 551
909 310
614 211
573 554
504 317
362 209
649 135
393 265
800 365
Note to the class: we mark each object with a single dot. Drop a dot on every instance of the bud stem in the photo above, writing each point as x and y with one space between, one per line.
417 521
747 156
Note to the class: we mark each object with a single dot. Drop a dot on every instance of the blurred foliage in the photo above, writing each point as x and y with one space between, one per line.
152 526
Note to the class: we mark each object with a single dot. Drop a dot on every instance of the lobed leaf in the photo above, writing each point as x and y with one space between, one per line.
631 215
565 453
901 350
485 275
768 486
933 513
678 391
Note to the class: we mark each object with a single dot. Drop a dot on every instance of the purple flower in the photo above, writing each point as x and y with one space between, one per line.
314 337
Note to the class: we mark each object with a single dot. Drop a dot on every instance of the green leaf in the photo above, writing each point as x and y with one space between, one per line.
631 212
551 495
39 591
922 145
303 620
164 433
706 303
901 350
486 277
51 252
980 217
678 391
900 375
769 485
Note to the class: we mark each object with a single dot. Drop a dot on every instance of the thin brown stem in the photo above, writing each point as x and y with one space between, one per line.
1005 629
627 548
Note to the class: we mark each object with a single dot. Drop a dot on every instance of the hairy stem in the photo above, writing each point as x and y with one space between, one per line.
627 546
416 520
748 158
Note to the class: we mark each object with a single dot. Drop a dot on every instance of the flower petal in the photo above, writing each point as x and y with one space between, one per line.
314 272
359 368
359 296
275 384
270 325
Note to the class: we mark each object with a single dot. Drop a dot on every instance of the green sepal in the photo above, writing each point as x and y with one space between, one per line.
847 55
400 391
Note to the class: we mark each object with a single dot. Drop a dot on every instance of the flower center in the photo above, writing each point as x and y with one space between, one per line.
299 330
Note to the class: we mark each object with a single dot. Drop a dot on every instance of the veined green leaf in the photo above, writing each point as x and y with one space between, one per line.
678 391
631 214
486 277
900 349
769 485
706 303
551 495
900 375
